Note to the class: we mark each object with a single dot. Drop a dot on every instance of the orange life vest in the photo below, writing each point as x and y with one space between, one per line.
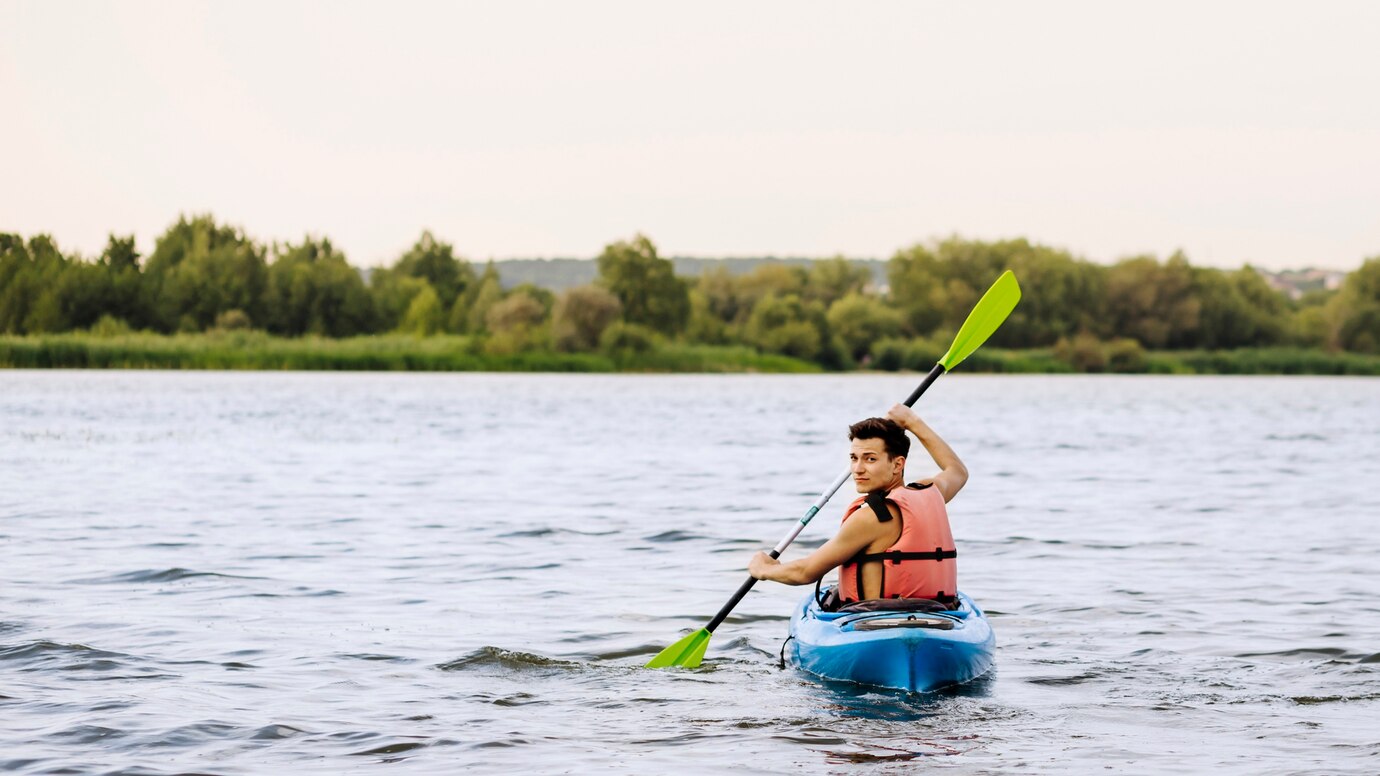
921 564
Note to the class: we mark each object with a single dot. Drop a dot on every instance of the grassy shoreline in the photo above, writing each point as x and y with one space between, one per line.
378 353
249 350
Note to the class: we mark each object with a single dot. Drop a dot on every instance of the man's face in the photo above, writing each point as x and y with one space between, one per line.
872 468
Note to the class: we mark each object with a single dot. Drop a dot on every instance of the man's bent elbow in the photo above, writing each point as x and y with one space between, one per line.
961 474
807 576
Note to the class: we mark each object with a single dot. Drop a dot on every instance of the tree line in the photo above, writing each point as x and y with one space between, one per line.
203 275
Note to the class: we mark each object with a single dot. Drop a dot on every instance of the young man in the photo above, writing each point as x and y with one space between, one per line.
895 540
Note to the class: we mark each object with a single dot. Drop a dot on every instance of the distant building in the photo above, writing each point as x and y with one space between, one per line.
1294 283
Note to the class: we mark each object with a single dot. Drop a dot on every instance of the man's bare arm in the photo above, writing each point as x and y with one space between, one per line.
860 530
952 473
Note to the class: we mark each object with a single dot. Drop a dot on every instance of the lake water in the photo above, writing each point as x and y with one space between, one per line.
322 573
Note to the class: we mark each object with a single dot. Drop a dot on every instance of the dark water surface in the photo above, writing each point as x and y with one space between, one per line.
337 573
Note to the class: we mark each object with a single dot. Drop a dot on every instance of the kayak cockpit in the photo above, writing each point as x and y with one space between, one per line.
885 623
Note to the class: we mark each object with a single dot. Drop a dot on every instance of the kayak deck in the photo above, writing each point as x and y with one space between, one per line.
913 651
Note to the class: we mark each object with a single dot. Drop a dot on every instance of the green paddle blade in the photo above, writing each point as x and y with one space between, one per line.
686 653
989 313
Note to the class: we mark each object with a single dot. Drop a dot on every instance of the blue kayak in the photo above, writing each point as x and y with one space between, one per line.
916 651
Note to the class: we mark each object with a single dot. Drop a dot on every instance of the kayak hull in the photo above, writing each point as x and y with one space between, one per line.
912 651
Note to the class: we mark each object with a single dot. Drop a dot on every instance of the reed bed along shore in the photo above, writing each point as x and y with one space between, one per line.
253 350
394 352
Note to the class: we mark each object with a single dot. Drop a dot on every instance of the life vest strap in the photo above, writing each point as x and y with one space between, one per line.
877 500
896 556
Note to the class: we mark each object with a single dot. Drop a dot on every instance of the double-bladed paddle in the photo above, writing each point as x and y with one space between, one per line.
986 316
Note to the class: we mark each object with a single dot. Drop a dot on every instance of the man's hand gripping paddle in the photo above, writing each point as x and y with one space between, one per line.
989 313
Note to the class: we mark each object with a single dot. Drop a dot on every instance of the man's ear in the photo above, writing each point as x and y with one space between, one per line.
900 464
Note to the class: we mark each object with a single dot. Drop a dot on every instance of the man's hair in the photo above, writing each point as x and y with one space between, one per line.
893 437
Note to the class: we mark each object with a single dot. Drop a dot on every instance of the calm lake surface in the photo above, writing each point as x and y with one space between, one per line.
237 573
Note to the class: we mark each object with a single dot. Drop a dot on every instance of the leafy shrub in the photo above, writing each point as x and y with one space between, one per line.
233 320
622 338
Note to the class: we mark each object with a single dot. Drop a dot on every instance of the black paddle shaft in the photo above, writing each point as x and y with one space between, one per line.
738 596
747 585
924 384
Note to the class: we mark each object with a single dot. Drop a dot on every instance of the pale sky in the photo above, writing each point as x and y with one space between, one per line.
1237 131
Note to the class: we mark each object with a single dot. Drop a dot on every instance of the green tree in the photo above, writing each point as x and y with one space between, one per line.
705 325
581 315
936 288
435 262
515 324
487 294
1238 309
917 288
312 289
127 301
27 272
623 340
722 297
428 261
788 325
41 290
199 269
771 279
645 284
1356 309
1311 323
393 295
81 291
425 315
471 310
519 311
1061 295
1153 303
829 280
861 321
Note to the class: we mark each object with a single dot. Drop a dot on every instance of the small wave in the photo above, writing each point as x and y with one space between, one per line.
1318 700
619 654
87 734
889 755
673 536
198 733
496 657
398 748
86 662
1063 681
749 618
534 533
157 575
48 651
503 744
376 658
517 699
1022 539
538 533
583 637
275 733
1307 653
743 644
742 543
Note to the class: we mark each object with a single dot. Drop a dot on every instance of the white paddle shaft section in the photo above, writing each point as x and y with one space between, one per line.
810 513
